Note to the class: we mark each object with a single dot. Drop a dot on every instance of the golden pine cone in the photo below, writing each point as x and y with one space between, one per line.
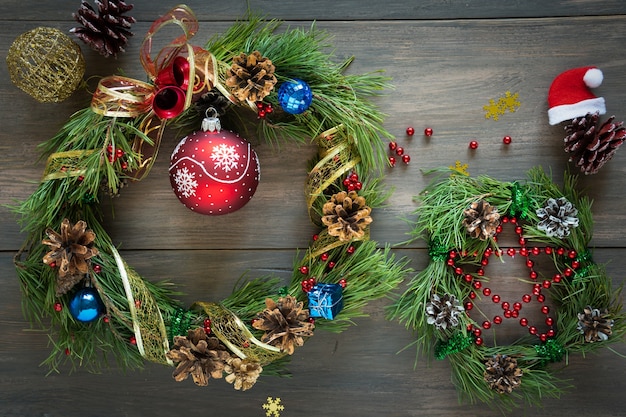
346 215
71 251
242 372
198 355
251 77
502 373
481 220
285 323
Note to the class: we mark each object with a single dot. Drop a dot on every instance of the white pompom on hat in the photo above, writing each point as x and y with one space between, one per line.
570 96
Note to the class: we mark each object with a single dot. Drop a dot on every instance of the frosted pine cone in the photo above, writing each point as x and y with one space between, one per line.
557 217
591 146
594 324
443 312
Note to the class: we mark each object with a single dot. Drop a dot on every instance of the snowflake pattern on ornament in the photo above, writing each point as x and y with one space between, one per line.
185 182
225 157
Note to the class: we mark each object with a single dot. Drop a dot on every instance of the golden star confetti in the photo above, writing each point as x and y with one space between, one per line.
459 168
273 407
509 102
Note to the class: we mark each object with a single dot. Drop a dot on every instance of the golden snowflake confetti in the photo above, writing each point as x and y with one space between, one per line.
509 102
273 407
459 168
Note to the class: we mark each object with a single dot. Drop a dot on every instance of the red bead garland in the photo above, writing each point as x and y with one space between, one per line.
512 310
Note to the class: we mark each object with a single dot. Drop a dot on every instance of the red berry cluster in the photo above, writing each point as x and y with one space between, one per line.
352 183
399 150
207 325
115 154
307 284
263 109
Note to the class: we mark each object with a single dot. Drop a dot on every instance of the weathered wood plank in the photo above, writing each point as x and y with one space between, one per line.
146 10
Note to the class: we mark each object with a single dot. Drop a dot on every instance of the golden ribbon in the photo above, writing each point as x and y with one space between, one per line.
118 96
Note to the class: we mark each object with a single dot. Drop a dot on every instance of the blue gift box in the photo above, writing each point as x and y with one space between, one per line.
325 301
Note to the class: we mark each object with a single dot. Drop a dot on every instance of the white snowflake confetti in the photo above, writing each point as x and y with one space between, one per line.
225 157
273 407
185 182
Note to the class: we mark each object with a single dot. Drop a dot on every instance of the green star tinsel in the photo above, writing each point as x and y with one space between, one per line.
437 250
550 351
454 344
180 322
520 202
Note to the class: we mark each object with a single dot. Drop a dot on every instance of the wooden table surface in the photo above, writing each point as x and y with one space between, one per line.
447 58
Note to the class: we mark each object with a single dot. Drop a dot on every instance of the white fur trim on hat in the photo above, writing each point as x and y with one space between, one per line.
571 111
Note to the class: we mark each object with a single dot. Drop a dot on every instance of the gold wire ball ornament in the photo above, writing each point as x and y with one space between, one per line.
46 64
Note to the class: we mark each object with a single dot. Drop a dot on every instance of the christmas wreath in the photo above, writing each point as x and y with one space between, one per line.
94 305
569 305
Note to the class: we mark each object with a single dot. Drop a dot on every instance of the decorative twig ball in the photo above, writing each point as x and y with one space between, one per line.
46 64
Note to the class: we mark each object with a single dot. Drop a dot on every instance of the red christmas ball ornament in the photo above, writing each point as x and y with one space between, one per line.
410 131
473 145
214 172
428 132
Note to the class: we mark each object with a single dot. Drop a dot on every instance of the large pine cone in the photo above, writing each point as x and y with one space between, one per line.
594 324
346 216
71 251
502 373
106 31
198 355
592 146
285 322
481 220
251 77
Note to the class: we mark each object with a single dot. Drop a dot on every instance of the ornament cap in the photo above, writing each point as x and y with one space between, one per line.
211 123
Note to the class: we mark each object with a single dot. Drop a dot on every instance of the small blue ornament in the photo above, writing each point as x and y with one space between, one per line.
325 300
86 305
295 96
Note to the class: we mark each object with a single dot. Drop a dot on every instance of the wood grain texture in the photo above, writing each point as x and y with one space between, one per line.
447 59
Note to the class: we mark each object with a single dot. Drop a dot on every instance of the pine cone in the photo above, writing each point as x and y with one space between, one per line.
243 373
214 99
592 147
443 312
594 325
557 217
481 220
198 355
285 323
71 251
502 374
346 216
251 77
106 31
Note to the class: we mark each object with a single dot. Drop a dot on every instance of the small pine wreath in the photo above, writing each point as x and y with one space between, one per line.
462 217
116 139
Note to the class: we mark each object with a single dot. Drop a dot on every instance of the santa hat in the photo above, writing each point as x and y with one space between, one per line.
569 96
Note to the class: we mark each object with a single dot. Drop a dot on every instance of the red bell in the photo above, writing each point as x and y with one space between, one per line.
176 74
169 102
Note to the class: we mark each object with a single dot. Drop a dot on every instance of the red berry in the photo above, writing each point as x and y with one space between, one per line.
517 305
343 282
532 330
487 292
260 105
393 146
392 161
468 305
543 337
346 181
358 185
477 332
331 265
506 140
497 320
269 108
486 324
124 166
399 151
428 132
106 319
545 309
67 352
548 250
262 113
523 321
473 145
324 256
58 307
549 321
478 341
496 299
315 237
52 264
354 177
406 159
410 131
133 340
510 251
119 153
351 250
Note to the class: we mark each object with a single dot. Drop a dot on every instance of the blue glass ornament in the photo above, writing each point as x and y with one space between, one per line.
86 305
295 96
325 300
